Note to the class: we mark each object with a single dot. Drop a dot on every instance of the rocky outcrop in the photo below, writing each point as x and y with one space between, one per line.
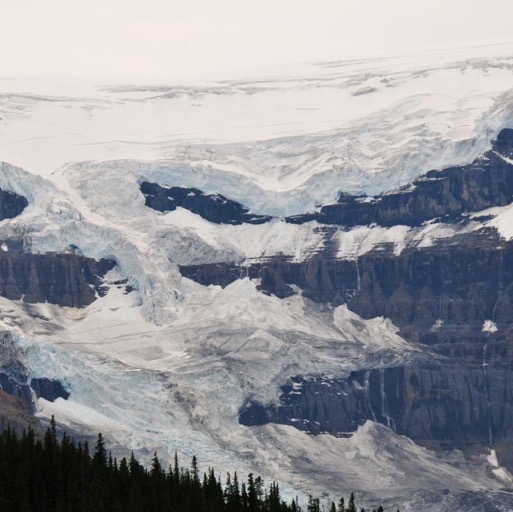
49 389
11 204
219 274
17 414
504 143
444 195
212 207
445 404
14 376
67 279
436 295
12 385
452 297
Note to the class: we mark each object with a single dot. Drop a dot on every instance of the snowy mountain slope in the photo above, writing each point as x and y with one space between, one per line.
312 127
180 402
168 363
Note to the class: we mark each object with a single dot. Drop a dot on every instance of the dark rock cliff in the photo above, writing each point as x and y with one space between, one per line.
10 384
435 295
440 297
49 389
446 404
11 204
445 195
65 279
212 207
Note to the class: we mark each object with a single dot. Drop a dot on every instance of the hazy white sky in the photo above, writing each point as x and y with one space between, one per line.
173 37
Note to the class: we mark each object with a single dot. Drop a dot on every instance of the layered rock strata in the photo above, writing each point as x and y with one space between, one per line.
452 297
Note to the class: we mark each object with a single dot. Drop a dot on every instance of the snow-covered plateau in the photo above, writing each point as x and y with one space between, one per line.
160 362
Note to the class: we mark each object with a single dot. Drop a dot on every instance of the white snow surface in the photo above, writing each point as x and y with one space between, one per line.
168 365
489 326
280 142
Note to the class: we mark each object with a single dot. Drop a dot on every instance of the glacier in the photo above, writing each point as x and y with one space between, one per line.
168 364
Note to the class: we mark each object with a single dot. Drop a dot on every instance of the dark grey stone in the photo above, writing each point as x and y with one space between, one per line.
65 279
49 389
212 207
11 204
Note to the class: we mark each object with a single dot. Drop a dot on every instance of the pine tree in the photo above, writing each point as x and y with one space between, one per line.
194 469
252 494
313 504
100 454
351 507
232 492
274 502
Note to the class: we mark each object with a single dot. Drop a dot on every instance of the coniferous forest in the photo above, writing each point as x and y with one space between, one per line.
55 474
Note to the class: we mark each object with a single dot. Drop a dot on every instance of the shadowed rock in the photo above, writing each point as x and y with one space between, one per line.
17 414
65 279
11 204
436 404
212 207
49 389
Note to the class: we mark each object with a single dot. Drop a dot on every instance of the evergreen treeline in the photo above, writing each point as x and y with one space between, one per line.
52 475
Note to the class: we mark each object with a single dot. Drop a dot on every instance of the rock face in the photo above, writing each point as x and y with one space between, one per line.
445 404
436 295
49 389
453 301
65 279
451 297
43 388
10 385
214 207
447 194
15 380
11 204
17 414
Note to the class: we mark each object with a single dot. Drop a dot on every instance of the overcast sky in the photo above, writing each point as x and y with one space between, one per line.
171 37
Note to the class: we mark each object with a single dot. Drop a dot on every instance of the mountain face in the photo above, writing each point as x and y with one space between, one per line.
452 298
306 299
